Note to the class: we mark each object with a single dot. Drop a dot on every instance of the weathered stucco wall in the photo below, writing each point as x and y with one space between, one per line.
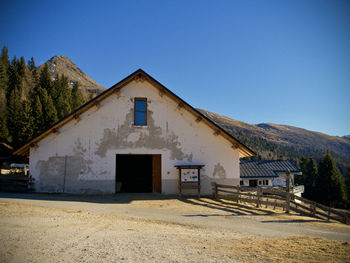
81 157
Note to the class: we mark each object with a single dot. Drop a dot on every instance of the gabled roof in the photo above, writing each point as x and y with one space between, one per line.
138 75
270 168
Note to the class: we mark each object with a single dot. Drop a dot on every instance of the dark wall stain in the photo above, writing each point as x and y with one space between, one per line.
219 171
151 138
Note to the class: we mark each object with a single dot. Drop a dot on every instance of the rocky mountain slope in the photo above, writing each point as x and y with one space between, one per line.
273 140
63 65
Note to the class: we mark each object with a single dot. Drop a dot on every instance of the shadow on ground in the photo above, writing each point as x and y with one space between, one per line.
126 198
120 198
296 221
215 206
233 208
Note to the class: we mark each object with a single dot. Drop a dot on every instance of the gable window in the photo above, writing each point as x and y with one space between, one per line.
140 117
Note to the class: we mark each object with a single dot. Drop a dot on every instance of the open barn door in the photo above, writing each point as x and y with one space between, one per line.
138 173
157 173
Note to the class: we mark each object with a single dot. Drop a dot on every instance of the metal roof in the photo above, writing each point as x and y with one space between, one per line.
263 169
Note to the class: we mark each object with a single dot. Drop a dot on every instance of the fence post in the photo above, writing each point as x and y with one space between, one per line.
258 194
329 213
288 191
215 193
238 194
313 209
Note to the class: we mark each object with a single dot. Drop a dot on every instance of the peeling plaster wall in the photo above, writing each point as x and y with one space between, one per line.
81 157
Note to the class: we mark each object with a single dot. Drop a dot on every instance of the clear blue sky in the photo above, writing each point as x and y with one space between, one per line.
285 62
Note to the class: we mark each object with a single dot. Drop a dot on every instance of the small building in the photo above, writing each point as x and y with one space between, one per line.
5 158
131 138
267 173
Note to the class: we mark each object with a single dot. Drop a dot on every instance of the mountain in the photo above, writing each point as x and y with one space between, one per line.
273 140
63 65
346 137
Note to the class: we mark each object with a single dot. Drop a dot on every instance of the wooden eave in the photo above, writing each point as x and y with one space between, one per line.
139 74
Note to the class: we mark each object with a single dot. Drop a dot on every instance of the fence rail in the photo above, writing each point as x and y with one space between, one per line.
269 196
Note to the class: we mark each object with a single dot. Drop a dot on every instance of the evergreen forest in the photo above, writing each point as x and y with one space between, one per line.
31 100
323 182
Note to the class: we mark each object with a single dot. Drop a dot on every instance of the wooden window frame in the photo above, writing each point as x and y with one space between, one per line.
146 109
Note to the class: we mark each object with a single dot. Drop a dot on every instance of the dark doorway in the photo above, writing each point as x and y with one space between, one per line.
137 173
253 183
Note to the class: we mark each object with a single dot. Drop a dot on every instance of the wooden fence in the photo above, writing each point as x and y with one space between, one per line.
12 183
273 197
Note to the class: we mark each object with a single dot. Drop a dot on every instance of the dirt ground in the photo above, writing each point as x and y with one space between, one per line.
42 233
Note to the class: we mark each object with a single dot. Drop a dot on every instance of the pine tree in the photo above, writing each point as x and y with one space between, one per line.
45 81
330 184
347 184
5 57
25 130
14 116
14 78
63 107
4 132
77 97
4 70
62 96
310 176
31 64
22 67
49 110
38 117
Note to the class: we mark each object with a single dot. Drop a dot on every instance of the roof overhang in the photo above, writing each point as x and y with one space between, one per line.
283 173
258 177
138 75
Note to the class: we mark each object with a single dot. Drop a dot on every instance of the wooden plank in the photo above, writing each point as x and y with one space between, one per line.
227 186
180 183
319 216
302 199
258 197
248 200
226 191
316 213
156 173
301 206
320 206
235 193
331 210
215 190
305 213
199 182
272 191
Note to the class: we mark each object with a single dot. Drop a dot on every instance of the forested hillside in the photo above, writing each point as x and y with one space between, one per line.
273 141
31 99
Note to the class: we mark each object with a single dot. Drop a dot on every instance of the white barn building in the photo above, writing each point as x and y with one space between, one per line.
130 138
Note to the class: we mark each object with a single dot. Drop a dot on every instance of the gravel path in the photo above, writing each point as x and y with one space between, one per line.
243 219
154 228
